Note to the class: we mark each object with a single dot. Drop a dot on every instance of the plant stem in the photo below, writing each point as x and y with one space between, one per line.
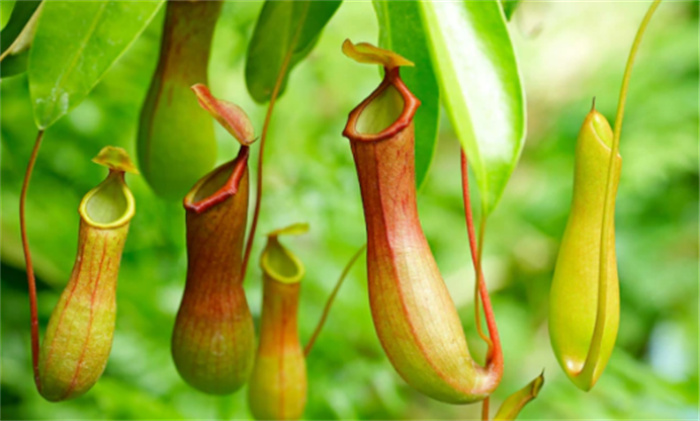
475 249
331 298
259 176
34 317
608 211
480 285
485 409
263 136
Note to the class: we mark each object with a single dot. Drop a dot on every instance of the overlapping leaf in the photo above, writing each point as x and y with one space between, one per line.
480 83
286 30
16 36
74 45
401 30
5 12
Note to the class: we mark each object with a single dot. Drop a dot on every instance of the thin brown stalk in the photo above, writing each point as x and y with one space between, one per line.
475 249
263 137
28 259
485 409
331 298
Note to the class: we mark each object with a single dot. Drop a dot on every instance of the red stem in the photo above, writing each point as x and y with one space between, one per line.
475 252
494 354
485 409
263 136
28 260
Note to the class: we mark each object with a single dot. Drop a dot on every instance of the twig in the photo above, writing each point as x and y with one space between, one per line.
28 259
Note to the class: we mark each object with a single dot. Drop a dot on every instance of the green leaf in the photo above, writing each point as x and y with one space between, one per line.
401 30
17 36
21 13
286 30
64 65
509 7
14 64
481 88
6 7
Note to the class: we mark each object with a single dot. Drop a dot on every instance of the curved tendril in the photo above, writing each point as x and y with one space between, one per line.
596 342
331 298
28 259
263 137
475 249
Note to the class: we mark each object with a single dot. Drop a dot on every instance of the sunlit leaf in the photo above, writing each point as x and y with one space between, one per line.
21 13
64 65
286 30
401 30
6 7
481 87
16 37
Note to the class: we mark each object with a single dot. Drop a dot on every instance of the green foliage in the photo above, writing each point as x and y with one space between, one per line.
21 14
5 12
401 31
16 37
481 85
653 372
285 33
64 65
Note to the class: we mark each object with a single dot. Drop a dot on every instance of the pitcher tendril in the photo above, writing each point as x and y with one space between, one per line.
474 247
261 152
331 299
608 212
31 280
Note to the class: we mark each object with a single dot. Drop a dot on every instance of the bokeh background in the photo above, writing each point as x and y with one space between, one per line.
568 53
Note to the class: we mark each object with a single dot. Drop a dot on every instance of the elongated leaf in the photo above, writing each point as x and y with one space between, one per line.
6 7
481 87
75 44
401 30
283 28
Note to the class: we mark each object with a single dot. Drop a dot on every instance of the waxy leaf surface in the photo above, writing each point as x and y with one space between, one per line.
481 87
283 28
64 65
401 30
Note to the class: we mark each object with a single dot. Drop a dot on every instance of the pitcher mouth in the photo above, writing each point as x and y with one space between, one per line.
110 204
388 123
217 186
277 261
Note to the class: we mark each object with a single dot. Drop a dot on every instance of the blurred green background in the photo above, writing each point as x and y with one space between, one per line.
568 53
